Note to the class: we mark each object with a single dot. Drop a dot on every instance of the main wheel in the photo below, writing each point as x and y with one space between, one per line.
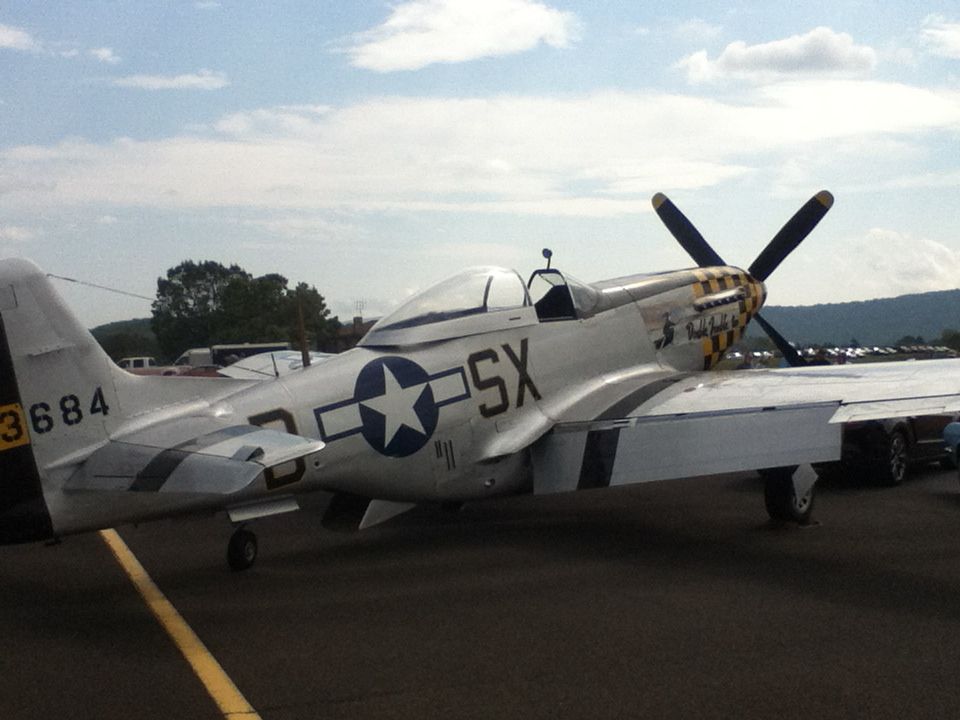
780 497
242 550
892 458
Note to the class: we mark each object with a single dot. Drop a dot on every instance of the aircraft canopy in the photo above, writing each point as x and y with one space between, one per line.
477 300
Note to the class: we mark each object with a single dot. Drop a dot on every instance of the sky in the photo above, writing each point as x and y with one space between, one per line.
373 148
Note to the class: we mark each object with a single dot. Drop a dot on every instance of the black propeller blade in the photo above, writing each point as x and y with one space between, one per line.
791 235
789 352
782 244
686 234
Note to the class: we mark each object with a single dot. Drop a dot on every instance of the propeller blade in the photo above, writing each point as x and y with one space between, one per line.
793 358
791 235
686 234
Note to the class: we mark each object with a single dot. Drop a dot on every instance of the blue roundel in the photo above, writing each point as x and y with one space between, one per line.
396 404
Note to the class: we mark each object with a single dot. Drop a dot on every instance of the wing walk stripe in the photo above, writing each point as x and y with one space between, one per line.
158 471
162 466
599 454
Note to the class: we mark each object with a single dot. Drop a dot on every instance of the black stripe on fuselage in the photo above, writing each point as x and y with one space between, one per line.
599 454
24 516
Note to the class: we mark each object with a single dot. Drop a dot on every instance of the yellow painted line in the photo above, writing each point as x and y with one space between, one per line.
221 688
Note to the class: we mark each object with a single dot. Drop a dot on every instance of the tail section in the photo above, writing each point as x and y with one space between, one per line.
63 377
57 394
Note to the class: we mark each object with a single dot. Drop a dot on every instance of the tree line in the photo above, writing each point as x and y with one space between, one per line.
205 303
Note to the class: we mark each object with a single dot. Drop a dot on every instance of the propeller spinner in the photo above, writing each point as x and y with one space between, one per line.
783 243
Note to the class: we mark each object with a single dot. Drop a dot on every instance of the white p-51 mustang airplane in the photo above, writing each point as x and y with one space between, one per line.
482 385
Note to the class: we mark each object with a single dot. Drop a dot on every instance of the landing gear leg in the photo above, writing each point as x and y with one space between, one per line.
788 493
242 549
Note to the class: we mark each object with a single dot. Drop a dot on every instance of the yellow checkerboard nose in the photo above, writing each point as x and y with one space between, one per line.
715 280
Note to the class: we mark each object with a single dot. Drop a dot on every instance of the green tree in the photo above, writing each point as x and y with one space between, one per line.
950 338
189 304
202 304
252 310
320 327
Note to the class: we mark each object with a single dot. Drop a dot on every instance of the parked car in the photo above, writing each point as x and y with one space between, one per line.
951 439
885 451
139 363
145 366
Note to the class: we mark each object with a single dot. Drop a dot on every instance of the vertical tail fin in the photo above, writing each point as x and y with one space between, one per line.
63 379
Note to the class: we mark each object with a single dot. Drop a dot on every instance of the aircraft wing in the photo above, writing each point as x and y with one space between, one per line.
714 422
192 456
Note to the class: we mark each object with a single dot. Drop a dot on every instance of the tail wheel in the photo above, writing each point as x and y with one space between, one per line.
242 550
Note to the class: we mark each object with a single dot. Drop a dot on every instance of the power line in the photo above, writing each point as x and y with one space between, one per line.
100 287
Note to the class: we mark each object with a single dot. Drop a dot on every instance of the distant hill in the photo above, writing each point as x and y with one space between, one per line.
870 322
127 338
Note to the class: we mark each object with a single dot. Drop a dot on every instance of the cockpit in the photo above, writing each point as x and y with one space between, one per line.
480 300
556 297
474 301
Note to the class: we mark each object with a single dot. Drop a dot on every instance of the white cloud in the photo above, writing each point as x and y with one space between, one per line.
107 220
698 30
15 234
311 229
423 32
941 37
819 52
201 80
104 55
14 38
888 263
600 154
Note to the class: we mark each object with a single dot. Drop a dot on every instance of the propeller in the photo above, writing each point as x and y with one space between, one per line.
789 352
686 234
783 243
791 235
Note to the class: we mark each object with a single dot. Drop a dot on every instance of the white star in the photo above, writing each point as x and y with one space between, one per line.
397 406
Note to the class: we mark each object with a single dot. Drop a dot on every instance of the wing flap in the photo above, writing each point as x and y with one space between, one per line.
584 455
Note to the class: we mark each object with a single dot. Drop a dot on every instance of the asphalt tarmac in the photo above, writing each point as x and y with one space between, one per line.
666 600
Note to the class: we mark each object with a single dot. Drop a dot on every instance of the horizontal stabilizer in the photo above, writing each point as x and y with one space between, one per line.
219 462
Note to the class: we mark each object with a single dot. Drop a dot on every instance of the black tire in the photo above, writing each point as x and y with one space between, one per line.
242 550
780 498
892 458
